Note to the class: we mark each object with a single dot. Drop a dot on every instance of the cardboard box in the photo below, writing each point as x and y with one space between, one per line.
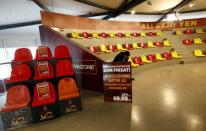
16 119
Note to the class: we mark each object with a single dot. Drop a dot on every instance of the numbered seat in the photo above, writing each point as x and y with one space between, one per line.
113 48
96 35
199 31
44 94
104 48
64 68
167 55
158 44
152 58
188 32
128 35
43 70
43 53
198 41
18 97
187 42
20 72
135 34
166 43
128 46
120 47
145 60
112 35
61 51
198 52
143 45
135 45
159 33
22 55
178 32
175 55
67 89
150 44
159 57
138 60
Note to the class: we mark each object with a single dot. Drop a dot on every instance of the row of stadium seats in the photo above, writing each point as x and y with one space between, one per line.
42 53
190 31
96 35
127 46
197 41
18 96
199 53
146 59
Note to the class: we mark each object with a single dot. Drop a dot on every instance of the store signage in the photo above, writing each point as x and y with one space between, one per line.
117 82
85 66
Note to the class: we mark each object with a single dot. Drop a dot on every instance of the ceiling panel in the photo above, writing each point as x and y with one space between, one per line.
110 3
196 5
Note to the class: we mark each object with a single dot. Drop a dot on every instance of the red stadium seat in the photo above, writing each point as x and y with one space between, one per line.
94 49
151 34
167 55
138 60
44 94
152 58
104 35
128 46
113 48
64 68
61 51
135 34
121 35
143 45
188 32
187 42
158 44
22 55
20 72
43 53
18 97
67 89
204 40
43 70
86 35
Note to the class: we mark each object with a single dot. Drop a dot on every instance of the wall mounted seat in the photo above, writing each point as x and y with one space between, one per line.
135 34
150 44
132 62
175 55
167 55
138 60
178 32
159 57
198 41
43 53
64 68
128 35
198 52
94 49
120 47
128 46
104 48
159 33
199 31
143 34
20 72
104 35
120 35
86 35
22 55
96 35
151 34
158 44
188 32
67 89
77 35
43 70
61 51
18 97
143 45
135 45
152 58
187 42
145 60
166 43
112 35
44 94
113 48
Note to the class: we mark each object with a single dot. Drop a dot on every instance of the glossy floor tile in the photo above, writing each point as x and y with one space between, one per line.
169 98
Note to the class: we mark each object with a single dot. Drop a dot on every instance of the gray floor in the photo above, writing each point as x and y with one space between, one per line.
170 98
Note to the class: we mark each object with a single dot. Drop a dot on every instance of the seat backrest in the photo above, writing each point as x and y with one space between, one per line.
22 55
20 72
17 95
67 88
43 70
43 53
62 51
64 68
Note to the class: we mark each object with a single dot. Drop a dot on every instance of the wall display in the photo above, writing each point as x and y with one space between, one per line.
117 82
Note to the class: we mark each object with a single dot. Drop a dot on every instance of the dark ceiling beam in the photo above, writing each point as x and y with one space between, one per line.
9 26
95 5
40 5
95 14
121 9
178 6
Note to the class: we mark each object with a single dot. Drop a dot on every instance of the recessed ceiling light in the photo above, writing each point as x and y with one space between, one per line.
133 12
191 5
